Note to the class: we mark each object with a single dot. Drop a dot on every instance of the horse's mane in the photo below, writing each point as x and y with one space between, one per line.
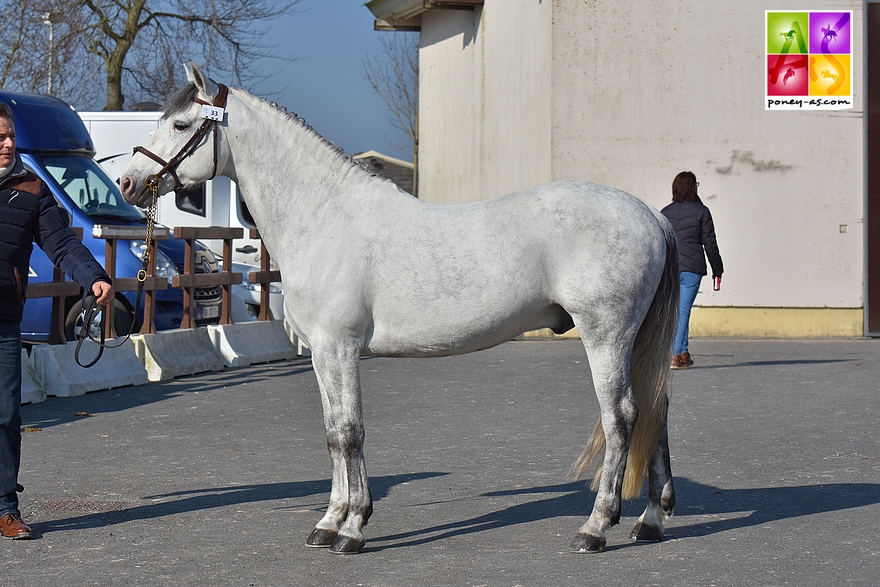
184 98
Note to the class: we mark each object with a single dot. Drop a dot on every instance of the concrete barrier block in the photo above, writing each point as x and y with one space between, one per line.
174 353
301 349
32 391
56 368
247 343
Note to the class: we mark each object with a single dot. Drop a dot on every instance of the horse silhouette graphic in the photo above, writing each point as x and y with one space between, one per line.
828 75
829 34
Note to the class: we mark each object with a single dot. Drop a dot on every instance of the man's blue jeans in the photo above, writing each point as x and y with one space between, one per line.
10 415
689 286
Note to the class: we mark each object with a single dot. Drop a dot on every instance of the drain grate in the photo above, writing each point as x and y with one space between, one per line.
84 506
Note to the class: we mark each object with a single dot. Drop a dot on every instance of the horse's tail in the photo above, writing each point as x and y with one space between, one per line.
650 373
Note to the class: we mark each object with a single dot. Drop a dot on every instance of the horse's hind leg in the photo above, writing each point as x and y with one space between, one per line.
610 365
350 502
661 495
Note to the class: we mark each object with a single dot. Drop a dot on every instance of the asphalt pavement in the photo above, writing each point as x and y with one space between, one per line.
217 479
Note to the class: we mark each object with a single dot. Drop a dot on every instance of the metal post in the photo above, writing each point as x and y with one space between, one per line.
51 19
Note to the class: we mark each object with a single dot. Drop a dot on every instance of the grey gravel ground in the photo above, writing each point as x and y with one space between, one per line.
217 479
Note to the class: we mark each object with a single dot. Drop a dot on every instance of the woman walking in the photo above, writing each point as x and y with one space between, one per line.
695 232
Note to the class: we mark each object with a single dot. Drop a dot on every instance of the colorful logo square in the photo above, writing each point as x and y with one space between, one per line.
788 75
830 32
786 32
829 75
808 60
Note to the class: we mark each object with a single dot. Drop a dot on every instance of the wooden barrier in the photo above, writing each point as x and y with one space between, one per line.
264 277
59 288
189 280
152 283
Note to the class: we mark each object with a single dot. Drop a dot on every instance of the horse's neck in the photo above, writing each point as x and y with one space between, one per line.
269 147
284 169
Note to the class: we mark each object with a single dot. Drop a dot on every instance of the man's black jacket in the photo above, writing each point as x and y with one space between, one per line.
28 214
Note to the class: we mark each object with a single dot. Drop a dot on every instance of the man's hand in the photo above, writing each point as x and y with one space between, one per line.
104 292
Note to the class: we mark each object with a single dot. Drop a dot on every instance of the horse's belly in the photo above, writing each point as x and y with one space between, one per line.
433 344
457 330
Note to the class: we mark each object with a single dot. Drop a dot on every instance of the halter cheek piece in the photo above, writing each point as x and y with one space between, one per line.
190 146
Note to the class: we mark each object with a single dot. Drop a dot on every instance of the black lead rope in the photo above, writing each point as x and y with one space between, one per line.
90 312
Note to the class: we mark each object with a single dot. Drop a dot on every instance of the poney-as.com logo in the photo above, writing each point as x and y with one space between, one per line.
809 60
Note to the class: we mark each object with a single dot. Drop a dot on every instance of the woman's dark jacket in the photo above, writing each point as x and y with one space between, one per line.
694 230
28 214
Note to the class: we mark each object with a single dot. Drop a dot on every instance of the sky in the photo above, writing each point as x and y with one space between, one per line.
330 39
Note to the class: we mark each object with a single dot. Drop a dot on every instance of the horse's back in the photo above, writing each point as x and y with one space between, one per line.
570 212
585 212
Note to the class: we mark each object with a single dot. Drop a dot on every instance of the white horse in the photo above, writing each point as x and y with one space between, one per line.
370 270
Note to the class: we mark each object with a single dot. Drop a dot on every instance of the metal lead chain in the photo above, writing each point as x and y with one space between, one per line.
152 182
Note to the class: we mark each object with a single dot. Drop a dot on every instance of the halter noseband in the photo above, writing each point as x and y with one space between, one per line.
190 146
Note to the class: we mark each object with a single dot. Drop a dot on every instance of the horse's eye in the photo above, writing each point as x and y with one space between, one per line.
181 126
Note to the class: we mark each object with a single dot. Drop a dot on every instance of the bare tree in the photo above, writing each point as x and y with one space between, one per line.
13 31
105 49
395 78
31 35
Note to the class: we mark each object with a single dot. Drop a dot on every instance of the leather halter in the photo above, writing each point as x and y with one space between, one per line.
190 146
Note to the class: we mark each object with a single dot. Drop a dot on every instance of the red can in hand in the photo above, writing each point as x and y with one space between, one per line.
716 283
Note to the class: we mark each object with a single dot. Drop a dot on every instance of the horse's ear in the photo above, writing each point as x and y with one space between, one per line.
188 68
205 85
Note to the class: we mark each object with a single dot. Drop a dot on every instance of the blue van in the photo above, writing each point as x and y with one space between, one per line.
53 142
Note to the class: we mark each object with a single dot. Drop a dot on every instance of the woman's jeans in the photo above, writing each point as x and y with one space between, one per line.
689 286
10 415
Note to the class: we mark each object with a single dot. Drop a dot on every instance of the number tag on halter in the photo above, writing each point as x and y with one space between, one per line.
212 112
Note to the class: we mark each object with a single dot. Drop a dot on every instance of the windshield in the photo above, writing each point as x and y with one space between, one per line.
89 188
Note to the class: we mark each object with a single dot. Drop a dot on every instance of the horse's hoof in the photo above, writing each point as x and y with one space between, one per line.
645 533
585 543
346 545
321 538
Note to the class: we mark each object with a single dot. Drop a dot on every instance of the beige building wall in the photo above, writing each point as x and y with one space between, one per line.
520 92
485 101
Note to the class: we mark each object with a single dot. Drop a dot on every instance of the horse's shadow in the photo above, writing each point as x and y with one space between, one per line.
729 508
179 502
726 509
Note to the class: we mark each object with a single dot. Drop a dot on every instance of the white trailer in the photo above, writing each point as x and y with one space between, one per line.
217 203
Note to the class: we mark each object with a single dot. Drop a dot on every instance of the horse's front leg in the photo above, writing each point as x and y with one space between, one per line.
619 411
350 502
661 494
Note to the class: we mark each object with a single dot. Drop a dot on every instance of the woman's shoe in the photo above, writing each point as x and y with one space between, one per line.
677 363
686 358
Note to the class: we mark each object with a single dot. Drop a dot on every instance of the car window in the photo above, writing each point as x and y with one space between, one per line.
89 188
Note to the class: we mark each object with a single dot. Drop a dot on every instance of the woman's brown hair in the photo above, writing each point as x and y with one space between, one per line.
684 187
